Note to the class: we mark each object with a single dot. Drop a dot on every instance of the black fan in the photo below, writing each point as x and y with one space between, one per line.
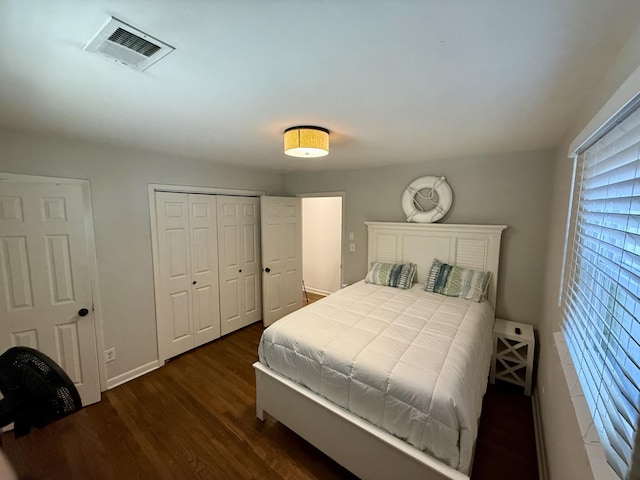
36 390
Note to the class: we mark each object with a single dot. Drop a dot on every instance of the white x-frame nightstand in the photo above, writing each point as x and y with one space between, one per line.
512 353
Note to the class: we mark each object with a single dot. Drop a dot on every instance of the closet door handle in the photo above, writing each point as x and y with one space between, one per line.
240 271
194 282
267 269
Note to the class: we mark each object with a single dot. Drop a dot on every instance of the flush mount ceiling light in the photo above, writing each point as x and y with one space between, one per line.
306 142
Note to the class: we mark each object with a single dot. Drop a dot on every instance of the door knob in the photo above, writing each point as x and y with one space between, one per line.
240 271
194 282
267 269
83 312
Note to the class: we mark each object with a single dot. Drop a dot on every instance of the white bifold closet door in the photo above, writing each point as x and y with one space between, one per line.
188 303
239 256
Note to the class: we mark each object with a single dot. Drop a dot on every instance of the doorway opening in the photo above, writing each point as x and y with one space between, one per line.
322 220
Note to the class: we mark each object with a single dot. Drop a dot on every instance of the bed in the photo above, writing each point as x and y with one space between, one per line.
389 382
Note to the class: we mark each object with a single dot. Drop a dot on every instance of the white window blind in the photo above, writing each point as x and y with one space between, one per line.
601 297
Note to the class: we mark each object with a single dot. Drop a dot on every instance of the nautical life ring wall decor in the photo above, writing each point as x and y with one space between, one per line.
437 186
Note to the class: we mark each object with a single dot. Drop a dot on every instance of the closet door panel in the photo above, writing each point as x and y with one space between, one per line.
204 265
251 260
239 254
230 257
251 298
230 268
233 300
275 295
174 321
203 305
292 282
249 251
292 290
177 244
179 316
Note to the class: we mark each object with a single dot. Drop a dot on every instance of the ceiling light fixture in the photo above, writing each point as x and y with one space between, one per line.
306 142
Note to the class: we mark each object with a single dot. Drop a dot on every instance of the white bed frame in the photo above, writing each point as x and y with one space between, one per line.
362 448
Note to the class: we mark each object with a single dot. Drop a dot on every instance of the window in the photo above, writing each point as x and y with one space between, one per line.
601 296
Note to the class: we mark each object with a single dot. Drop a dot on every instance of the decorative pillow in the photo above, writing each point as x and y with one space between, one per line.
457 281
432 276
399 275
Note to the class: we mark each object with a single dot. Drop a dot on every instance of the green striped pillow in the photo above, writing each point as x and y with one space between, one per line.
457 281
399 275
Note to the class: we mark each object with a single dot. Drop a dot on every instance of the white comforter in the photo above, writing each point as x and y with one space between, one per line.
412 362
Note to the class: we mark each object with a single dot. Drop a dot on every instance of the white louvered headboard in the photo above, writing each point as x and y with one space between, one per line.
469 246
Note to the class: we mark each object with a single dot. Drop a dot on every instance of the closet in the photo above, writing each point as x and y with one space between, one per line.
207 268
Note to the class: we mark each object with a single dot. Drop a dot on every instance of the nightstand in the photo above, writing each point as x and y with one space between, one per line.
512 359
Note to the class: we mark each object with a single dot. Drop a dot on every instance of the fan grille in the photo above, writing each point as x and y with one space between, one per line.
62 402
133 42
127 45
36 390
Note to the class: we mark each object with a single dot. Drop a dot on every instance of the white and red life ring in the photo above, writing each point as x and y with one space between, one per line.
412 208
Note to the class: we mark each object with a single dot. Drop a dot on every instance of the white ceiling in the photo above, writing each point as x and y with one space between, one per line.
395 81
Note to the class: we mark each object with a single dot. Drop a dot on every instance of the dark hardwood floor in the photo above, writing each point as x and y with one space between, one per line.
311 297
195 418
506 445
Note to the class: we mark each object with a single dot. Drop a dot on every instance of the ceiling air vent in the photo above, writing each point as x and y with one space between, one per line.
124 44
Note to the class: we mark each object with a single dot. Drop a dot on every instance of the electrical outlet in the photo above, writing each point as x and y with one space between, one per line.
110 355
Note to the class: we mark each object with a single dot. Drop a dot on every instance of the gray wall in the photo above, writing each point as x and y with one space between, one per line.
514 190
565 451
119 192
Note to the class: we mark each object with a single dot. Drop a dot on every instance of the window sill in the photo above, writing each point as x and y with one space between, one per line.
595 454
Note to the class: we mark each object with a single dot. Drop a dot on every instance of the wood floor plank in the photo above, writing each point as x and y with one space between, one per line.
195 418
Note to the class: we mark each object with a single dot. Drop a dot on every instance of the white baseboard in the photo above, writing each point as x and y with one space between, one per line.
131 374
543 473
318 291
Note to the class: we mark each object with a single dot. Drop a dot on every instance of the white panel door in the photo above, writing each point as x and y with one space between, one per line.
204 268
174 309
282 256
188 304
239 262
44 278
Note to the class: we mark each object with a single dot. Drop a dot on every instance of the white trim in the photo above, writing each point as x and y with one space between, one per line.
441 227
95 289
541 452
20 178
91 256
595 453
321 194
317 291
152 189
625 93
159 187
131 374
565 248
